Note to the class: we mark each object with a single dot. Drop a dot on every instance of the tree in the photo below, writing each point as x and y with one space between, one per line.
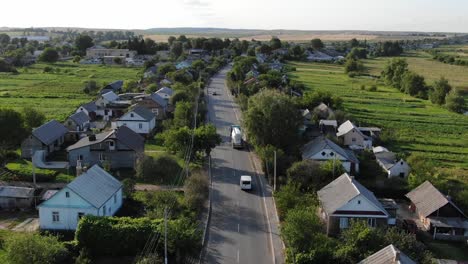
272 118
196 190
177 49
455 101
206 138
183 114
354 43
32 118
275 43
317 43
171 40
82 42
307 174
90 87
440 90
357 53
301 229
162 169
288 197
4 39
166 68
12 130
414 85
128 187
297 52
353 65
118 60
394 71
177 139
49 55
32 248
264 49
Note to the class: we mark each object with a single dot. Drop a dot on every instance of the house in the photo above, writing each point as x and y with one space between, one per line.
78 122
389 163
373 132
150 72
139 119
322 149
101 52
90 109
438 213
345 199
183 65
351 136
165 81
318 56
328 127
48 137
165 92
306 117
155 103
14 197
95 192
106 99
115 87
388 255
119 148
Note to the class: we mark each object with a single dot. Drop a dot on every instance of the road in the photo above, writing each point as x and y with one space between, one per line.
244 225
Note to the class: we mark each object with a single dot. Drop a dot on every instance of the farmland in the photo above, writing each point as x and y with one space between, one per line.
422 63
417 126
58 93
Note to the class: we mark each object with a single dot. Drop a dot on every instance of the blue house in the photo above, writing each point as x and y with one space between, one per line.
95 192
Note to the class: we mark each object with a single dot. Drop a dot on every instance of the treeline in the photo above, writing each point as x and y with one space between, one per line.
449 59
397 74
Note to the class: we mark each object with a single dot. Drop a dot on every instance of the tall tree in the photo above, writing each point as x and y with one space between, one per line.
31 248
439 91
49 55
12 130
82 42
275 43
32 118
317 43
455 101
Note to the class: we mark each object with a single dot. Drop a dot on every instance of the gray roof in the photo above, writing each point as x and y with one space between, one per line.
90 107
387 158
96 186
165 90
123 134
428 199
16 192
114 86
320 143
79 118
144 113
388 255
49 132
158 99
348 126
340 191
110 96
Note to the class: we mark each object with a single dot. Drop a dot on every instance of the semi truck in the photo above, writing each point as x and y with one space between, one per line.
236 137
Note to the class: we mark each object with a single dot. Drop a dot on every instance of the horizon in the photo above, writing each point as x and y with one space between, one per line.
334 15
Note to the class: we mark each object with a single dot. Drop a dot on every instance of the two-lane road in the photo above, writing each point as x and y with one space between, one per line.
240 230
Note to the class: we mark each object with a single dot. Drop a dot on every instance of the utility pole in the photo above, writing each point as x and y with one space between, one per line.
33 168
274 174
165 235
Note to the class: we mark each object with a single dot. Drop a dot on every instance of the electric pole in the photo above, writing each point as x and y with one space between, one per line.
165 235
274 173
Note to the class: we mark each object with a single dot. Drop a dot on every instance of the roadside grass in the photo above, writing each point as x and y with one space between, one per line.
422 63
449 250
417 126
59 93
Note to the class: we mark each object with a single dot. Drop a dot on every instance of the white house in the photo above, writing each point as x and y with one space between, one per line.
352 136
94 192
323 149
139 119
387 160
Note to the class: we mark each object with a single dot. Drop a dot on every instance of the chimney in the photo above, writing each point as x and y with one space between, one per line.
397 257
92 137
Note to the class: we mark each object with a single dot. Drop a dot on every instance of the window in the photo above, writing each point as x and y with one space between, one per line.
323 153
55 217
140 125
371 222
102 156
343 222
104 210
331 154
67 194
80 215
358 201
402 174
353 139
115 198
155 111
80 157
110 209
131 115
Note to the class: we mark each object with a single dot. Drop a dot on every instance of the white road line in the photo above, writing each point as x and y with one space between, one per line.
238 256
238 228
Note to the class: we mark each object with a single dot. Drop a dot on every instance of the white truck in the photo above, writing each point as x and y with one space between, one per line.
236 137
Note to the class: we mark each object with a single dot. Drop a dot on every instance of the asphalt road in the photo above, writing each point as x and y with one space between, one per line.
240 227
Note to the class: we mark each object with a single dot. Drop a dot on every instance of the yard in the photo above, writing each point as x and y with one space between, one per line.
57 93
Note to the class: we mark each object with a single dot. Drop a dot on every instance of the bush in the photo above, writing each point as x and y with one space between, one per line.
48 69
196 191
162 169
373 88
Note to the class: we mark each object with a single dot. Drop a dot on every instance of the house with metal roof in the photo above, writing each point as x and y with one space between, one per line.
115 87
351 136
165 92
438 214
138 119
388 255
390 164
95 192
118 148
323 149
344 200
78 122
155 103
14 197
49 137
90 109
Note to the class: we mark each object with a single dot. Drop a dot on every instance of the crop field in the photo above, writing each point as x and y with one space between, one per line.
417 125
57 94
422 63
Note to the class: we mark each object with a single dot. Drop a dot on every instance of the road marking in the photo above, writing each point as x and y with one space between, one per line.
238 256
238 228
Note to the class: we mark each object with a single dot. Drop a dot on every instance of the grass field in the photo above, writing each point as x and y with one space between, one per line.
422 63
417 125
56 94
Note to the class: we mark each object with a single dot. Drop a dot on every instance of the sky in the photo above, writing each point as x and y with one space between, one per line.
375 15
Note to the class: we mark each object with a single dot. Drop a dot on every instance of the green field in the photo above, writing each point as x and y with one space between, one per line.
416 125
422 63
57 94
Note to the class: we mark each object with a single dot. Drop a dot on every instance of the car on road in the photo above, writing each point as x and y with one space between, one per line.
246 182
215 93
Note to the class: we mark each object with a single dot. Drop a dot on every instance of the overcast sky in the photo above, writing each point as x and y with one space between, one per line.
388 15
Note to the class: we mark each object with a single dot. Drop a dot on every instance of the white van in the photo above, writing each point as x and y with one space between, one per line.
246 182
